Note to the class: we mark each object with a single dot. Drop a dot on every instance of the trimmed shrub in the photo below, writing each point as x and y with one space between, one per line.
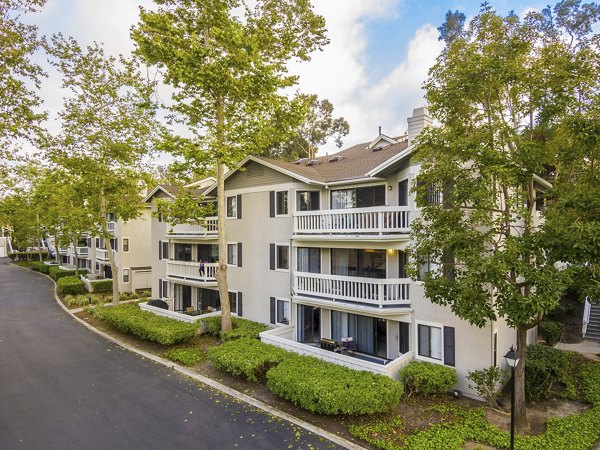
12 256
546 370
70 285
326 388
124 296
101 285
487 383
72 301
129 318
552 332
242 328
57 273
246 357
187 356
427 379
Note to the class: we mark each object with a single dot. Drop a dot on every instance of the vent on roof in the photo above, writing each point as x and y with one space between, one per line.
312 162
336 158
378 148
300 161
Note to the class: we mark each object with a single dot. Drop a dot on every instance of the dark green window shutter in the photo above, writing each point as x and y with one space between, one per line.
272 256
272 204
449 348
239 304
273 307
239 206
239 254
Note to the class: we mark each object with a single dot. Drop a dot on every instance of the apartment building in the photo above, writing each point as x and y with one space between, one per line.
317 249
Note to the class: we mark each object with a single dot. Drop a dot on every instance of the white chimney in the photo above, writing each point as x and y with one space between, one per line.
419 120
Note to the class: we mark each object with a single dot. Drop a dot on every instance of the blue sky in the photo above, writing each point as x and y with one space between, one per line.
372 71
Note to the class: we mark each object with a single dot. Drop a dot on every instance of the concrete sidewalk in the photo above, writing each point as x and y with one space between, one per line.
587 347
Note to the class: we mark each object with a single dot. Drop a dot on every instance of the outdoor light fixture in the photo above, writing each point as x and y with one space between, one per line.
512 359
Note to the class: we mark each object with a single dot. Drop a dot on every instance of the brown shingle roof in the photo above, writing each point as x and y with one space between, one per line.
356 163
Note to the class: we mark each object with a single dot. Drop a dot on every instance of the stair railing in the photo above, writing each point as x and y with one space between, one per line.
586 316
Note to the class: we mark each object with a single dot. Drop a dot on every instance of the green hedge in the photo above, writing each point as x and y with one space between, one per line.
427 379
326 388
552 332
40 266
242 328
130 319
57 273
70 285
101 285
29 255
189 356
546 369
246 357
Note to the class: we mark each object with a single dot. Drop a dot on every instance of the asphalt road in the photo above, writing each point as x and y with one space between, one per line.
64 387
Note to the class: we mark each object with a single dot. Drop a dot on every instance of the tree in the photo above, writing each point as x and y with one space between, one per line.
108 127
315 130
227 62
501 89
20 79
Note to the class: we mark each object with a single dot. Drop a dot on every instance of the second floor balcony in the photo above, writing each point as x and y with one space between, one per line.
376 220
373 292
207 230
102 255
192 272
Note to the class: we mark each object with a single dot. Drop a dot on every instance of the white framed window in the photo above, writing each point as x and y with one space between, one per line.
281 203
232 254
232 207
430 342
125 275
283 311
125 244
282 257
163 288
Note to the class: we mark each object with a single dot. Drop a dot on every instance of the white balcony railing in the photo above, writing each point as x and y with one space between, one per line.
374 220
380 292
82 251
190 270
208 229
102 254
63 250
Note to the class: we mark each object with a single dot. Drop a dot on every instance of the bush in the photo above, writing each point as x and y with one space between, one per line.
552 332
39 266
242 328
72 301
487 383
246 357
124 296
12 256
130 319
326 388
187 356
101 285
427 379
545 370
70 285
57 273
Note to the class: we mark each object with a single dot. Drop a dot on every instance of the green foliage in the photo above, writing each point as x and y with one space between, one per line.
246 357
101 285
380 434
425 378
552 332
70 285
56 273
40 266
326 388
74 301
488 382
546 371
12 256
130 319
135 295
188 356
241 328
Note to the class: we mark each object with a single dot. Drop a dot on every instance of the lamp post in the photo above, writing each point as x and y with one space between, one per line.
512 359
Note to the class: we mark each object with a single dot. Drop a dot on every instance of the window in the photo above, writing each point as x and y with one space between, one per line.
282 257
283 312
182 298
402 264
110 217
163 288
403 337
368 333
369 263
232 207
125 275
208 253
362 197
183 252
282 203
403 193
430 341
233 302
125 245
114 244
309 259
307 200
232 254
165 250
309 324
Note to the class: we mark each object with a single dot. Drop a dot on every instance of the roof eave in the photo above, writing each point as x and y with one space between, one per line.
384 165
154 191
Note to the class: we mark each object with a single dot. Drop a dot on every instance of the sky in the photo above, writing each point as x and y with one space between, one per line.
372 70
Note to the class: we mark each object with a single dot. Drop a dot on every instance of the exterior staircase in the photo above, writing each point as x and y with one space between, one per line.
593 327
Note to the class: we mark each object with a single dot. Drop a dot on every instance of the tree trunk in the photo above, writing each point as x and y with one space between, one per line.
76 256
56 256
221 273
520 406
113 268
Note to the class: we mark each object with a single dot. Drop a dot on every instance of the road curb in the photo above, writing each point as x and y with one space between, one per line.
208 381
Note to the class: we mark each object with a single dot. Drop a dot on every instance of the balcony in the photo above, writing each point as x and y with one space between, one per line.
82 252
208 230
373 292
377 220
190 271
102 255
63 250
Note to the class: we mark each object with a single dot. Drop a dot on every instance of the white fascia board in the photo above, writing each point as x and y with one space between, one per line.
155 190
542 182
353 181
382 137
389 162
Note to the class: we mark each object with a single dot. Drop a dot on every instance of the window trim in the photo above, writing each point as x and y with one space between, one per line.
128 272
288 301
235 254
297 199
123 244
277 214
277 268
235 213
416 341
